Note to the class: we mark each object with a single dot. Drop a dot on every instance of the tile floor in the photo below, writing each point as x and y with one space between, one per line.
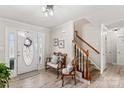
113 77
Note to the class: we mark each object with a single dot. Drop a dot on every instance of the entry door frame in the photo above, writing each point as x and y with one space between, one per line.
8 30
40 48
104 31
15 30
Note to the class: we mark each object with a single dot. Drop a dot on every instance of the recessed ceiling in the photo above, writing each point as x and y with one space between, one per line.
31 14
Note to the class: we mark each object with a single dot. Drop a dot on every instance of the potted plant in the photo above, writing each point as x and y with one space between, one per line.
4 75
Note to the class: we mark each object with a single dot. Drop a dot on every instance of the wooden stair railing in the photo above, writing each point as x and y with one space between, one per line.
83 65
79 37
78 46
83 54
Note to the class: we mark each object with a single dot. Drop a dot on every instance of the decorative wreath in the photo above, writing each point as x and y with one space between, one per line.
28 42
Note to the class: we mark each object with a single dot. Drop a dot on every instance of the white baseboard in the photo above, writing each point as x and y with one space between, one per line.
79 77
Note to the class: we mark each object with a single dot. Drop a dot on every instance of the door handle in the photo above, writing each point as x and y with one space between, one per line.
18 55
18 52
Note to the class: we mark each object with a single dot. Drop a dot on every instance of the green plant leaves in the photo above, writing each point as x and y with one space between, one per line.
4 75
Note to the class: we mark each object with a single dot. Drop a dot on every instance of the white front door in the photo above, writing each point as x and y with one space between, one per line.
27 51
120 50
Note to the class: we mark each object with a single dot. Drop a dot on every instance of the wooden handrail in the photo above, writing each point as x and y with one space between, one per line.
77 34
78 46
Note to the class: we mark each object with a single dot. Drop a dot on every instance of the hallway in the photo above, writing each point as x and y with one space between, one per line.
113 77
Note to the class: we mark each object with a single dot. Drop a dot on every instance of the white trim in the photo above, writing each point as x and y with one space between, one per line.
19 24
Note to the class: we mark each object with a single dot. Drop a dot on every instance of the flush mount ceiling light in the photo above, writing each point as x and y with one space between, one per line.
47 10
116 29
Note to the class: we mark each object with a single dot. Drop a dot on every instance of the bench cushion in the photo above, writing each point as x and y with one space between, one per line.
52 65
68 69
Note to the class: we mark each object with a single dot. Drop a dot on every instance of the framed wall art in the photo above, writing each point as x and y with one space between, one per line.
55 42
61 44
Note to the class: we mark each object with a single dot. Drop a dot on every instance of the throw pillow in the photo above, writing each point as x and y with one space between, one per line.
54 59
69 68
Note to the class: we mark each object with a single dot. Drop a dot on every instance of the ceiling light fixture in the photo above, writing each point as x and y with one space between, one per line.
48 10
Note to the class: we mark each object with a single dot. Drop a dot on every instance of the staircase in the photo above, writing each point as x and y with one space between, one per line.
86 66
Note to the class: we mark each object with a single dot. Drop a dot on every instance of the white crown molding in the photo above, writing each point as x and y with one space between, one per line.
6 20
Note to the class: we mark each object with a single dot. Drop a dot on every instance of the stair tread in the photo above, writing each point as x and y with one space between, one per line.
92 67
95 72
95 69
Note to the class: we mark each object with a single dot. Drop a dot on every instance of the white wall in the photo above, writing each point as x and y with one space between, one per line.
92 34
19 25
64 31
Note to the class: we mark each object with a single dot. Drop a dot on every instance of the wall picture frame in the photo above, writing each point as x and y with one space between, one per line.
55 42
61 44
